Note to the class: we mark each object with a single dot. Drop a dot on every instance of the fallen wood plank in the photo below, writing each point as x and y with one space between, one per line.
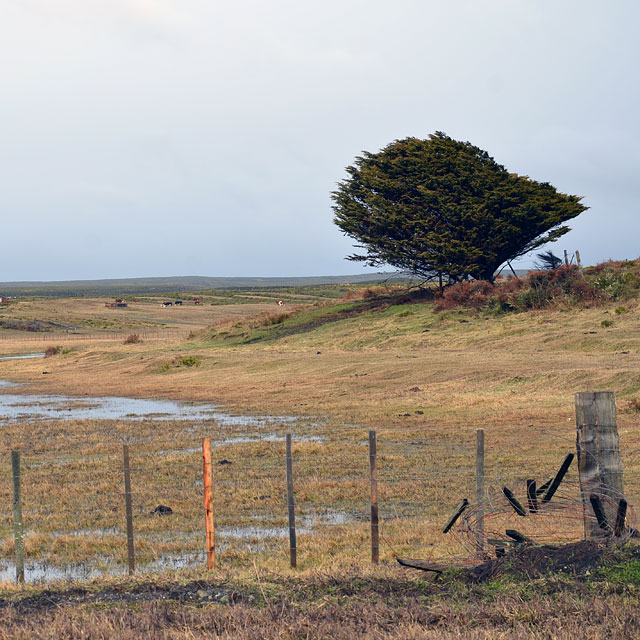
422 565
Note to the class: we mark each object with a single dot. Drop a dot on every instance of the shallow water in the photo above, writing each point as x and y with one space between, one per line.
14 406
23 357
44 572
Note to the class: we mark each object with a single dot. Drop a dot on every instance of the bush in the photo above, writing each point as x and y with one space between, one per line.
134 338
274 318
52 351
474 295
181 361
562 287
189 361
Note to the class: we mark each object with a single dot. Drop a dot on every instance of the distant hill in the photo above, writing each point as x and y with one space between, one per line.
181 283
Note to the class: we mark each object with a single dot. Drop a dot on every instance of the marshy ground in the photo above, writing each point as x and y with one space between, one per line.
425 381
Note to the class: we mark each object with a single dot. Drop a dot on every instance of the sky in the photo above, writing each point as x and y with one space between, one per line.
204 137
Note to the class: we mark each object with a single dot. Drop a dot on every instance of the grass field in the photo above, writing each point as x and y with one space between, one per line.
340 364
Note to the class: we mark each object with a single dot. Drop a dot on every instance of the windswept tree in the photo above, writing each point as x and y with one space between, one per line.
443 207
547 261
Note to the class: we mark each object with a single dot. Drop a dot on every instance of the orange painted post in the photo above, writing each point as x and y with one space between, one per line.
208 503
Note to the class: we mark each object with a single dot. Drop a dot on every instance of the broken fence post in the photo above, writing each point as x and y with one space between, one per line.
514 502
598 447
620 518
456 514
555 483
532 496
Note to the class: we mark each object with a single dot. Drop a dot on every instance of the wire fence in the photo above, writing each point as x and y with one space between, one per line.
73 498
78 336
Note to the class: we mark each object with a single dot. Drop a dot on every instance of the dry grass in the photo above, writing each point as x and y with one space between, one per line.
424 381
343 605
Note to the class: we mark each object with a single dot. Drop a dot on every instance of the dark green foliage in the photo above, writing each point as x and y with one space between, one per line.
439 206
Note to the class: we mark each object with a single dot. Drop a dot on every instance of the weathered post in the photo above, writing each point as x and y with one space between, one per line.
128 509
480 482
291 509
578 261
566 258
208 503
18 531
599 462
373 478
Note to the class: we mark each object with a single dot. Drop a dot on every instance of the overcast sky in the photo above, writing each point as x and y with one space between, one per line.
203 137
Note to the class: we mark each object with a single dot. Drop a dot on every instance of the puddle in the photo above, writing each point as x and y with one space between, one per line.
271 437
25 407
23 357
35 571
44 572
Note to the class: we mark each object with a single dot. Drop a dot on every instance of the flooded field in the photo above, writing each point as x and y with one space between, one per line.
80 534
24 406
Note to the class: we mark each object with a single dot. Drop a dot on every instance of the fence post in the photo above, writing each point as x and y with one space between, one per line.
480 483
18 531
373 478
292 516
578 261
208 503
129 509
598 446
566 258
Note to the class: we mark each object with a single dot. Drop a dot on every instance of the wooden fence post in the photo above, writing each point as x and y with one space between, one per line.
578 261
566 258
128 509
373 478
480 483
18 531
208 503
598 445
290 504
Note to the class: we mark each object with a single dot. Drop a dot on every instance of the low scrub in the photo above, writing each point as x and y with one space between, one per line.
52 351
564 287
133 338
182 361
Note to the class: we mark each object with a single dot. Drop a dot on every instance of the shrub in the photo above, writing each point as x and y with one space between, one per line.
473 294
189 361
52 351
134 338
563 287
181 361
606 323
269 319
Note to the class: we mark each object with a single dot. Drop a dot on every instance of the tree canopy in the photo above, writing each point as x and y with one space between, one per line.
439 206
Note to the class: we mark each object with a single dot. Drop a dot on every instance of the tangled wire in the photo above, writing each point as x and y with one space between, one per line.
559 512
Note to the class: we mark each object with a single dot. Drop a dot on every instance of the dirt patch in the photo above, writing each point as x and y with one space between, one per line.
578 559
195 592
